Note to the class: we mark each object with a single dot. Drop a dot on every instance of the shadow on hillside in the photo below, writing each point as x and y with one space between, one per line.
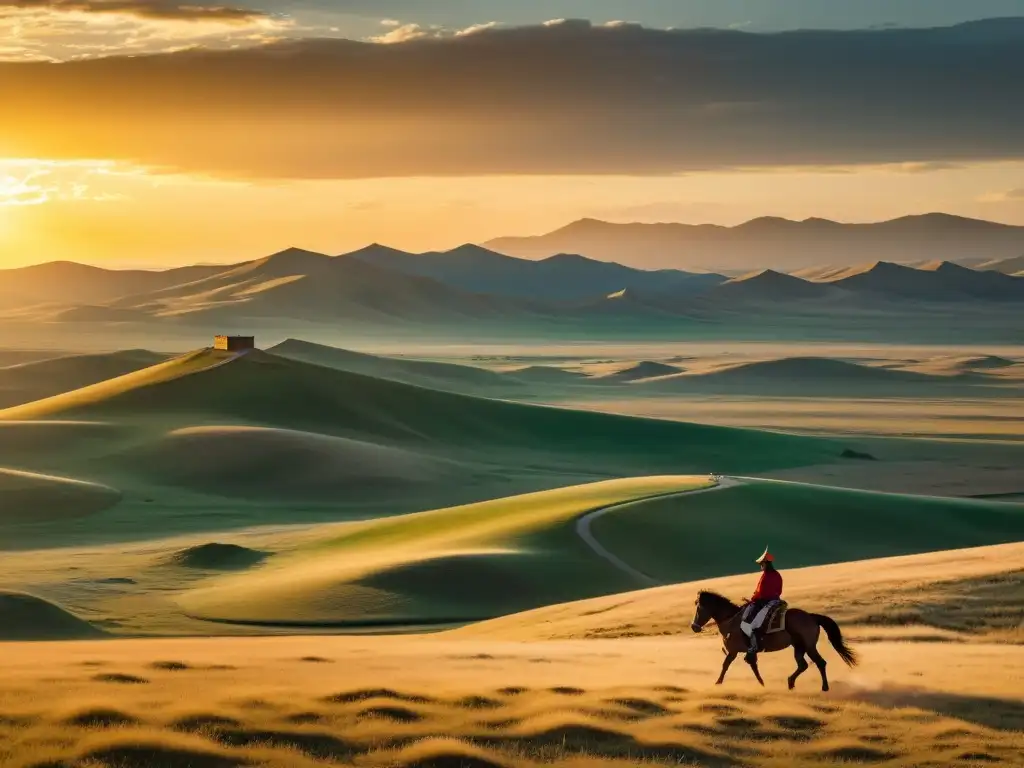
991 712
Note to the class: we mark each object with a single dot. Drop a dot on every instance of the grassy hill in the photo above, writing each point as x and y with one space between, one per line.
213 441
95 395
713 534
25 382
444 376
506 555
454 564
956 595
262 389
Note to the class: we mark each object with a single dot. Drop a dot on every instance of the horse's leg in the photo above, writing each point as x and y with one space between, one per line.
821 664
801 664
729 657
756 671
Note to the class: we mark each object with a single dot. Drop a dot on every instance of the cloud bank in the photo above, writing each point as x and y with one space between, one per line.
149 9
562 98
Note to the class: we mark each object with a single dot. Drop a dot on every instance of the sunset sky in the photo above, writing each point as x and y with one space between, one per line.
152 132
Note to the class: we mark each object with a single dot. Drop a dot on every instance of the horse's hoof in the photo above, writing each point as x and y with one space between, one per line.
792 684
824 689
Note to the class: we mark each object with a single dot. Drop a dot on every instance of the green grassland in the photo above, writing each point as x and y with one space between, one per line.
455 564
503 556
209 441
711 534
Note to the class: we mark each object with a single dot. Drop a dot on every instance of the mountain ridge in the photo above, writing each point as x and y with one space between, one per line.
775 242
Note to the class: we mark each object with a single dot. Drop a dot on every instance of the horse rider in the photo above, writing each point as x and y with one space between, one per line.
768 591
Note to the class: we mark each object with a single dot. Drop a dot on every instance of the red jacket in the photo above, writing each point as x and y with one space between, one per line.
769 587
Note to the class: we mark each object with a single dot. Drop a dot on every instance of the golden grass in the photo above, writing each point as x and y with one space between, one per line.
434 701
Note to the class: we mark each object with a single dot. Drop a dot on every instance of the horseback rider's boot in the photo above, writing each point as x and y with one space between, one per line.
751 656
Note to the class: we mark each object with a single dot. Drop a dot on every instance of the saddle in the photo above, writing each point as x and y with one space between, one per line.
775 621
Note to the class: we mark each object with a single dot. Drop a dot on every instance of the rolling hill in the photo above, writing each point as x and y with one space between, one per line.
560 278
494 558
646 369
1014 265
444 376
215 441
259 388
937 281
35 380
944 597
814 377
773 242
771 286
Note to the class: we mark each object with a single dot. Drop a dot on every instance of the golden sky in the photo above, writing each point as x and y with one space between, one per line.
267 135
119 215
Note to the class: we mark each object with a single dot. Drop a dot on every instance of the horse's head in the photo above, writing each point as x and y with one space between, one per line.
701 615
711 606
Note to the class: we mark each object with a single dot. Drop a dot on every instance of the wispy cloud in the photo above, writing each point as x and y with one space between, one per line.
36 182
568 97
1007 196
403 33
927 167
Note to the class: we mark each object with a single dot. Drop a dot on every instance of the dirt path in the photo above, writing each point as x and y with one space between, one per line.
583 528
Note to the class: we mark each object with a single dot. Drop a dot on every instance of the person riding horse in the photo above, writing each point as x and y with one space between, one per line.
766 594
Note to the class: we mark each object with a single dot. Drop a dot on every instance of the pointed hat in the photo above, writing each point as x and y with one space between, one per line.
765 558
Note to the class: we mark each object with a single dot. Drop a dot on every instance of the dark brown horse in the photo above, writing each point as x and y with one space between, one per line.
801 630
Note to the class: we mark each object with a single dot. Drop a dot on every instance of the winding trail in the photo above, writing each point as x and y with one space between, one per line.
583 527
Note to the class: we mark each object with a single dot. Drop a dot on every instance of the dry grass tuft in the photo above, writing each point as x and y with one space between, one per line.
120 678
644 707
316 744
100 717
200 723
395 714
351 697
477 702
857 753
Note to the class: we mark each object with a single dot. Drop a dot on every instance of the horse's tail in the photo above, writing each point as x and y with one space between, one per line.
835 637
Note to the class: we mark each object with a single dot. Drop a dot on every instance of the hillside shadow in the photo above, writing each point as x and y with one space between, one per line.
987 711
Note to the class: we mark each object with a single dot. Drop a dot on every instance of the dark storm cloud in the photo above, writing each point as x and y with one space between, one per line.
153 9
569 98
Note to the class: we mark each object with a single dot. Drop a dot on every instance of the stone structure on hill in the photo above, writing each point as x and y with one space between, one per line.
234 343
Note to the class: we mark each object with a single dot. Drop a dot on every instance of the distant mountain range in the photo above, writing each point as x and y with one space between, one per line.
777 243
472 287
561 277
